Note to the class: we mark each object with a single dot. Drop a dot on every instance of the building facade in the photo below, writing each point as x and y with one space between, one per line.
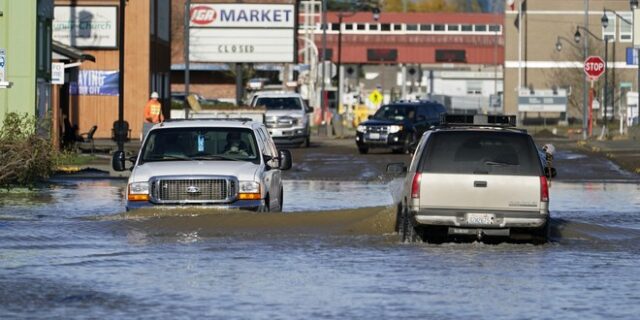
94 27
543 59
25 56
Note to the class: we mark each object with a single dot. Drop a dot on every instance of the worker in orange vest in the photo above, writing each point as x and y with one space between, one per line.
153 110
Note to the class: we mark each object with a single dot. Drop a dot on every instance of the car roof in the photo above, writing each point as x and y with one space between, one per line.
487 128
210 123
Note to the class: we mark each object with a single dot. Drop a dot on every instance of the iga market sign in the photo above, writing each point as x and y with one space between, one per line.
261 33
95 83
86 27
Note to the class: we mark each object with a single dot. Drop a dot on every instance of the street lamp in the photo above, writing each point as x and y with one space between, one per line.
634 6
605 23
559 44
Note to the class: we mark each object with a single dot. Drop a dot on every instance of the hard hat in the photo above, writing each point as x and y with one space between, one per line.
154 95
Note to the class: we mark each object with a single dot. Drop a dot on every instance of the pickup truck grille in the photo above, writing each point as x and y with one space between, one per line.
201 190
280 122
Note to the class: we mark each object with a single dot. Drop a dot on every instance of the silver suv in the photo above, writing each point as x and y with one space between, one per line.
229 163
474 177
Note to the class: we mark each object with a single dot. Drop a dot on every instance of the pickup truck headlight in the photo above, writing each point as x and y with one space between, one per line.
249 190
361 128
138 191
395 129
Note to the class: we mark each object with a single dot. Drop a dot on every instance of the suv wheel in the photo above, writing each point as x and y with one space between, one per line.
541 235
266 207
363 150
409 232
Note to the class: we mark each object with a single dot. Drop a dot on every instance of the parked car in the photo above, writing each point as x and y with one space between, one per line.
398 126
219 163
475 177
286 117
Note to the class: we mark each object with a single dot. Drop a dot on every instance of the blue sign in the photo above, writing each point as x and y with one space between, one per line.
632 57
95 83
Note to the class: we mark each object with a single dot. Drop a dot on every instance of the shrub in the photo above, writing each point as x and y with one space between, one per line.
25 154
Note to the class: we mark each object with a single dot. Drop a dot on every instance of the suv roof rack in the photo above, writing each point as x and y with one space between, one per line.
218 119
477 120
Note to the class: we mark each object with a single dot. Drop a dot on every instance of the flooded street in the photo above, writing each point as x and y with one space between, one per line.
68 251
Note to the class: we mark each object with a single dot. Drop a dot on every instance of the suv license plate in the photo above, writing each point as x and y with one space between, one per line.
374 136
480 218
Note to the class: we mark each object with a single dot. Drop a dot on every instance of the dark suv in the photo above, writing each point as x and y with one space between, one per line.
398 126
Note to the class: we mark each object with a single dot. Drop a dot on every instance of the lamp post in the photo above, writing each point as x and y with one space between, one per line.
605 23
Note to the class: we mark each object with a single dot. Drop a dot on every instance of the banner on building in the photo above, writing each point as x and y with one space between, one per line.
86 26
251 33
95 83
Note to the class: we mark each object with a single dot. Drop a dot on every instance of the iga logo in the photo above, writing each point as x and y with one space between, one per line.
203 15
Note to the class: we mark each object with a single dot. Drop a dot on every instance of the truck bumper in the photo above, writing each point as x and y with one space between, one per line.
289 135
252 205
499 220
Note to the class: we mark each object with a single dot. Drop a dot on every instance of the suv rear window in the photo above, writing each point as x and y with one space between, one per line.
481 152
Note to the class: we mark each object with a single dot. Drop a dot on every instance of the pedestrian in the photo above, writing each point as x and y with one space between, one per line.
152 113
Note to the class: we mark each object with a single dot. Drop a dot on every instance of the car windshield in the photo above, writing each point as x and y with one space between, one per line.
481 152
186 144
284 103
395 113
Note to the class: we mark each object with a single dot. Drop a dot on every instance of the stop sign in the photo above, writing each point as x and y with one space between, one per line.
594 67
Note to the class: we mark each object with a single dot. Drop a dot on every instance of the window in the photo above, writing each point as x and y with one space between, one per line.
412 27
474 87
335 26
348 26
467 27
626 30
610 30
385 27
374 27
438 27
361 26
481 27
425 27
453 27
494 28
397 27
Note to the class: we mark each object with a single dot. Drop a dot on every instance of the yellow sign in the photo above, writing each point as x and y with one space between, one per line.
193 103
375 97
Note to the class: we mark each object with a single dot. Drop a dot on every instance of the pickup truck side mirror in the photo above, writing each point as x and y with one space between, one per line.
308 109
396 168
370 117
118 161
285 159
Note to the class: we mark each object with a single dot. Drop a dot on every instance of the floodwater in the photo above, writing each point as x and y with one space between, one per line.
68 251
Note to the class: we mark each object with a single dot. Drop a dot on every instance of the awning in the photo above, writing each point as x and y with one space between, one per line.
64 52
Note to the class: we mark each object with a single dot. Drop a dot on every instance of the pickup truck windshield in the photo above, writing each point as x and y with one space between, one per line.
186 144
395 113
284 103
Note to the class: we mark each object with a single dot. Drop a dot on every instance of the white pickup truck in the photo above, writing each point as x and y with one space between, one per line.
230 163
286 116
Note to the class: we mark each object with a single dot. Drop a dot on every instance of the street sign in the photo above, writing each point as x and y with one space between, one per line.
3 61
375 97
594 67
57 73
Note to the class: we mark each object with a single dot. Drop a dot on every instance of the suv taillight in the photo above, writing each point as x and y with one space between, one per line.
415 186
544 189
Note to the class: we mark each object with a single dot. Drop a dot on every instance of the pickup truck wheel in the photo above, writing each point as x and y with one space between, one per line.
280 203
435 235
307 142
399 219
266 206
363 150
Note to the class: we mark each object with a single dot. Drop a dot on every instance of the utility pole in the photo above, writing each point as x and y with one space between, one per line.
585 94
323 94
187 20
121 136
